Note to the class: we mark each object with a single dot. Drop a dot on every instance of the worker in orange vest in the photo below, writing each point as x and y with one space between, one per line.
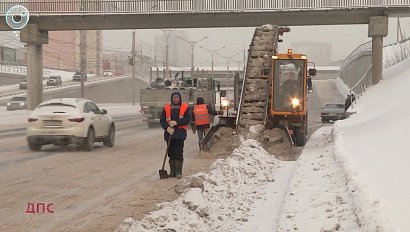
201 118
175 119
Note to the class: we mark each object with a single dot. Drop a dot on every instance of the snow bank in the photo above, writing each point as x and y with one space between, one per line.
373 148
231 189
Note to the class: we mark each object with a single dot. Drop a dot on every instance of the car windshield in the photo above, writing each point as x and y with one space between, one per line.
53 77
24 81
77 73
334 106
18 99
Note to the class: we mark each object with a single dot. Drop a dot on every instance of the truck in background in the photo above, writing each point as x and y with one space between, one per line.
153 99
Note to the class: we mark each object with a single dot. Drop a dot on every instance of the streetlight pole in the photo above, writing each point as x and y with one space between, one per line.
167 33
192 43
133 67
212 53
227 65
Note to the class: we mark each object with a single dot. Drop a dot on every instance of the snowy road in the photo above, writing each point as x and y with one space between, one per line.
90 191
96 191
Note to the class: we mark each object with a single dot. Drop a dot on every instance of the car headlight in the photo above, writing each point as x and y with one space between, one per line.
295 102
22 103
225 103
8 103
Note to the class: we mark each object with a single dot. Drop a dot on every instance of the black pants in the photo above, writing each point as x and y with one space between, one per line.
176 149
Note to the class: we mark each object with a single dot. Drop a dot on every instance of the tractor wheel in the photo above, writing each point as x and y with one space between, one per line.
300 135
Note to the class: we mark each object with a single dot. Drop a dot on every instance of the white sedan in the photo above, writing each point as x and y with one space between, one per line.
65 121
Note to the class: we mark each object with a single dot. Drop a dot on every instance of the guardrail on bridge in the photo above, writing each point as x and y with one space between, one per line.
47 7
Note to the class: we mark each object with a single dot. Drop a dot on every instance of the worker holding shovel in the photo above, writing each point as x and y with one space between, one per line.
174 120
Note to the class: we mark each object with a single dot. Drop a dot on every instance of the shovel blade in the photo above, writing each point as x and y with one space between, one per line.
163 174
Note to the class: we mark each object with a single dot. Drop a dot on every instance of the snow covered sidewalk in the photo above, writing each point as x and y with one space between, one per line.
317 198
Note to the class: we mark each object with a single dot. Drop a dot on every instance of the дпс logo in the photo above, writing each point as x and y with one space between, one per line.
17 17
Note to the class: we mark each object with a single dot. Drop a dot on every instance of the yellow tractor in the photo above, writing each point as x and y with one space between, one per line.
289 84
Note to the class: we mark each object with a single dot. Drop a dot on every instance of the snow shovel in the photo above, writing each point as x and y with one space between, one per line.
163 174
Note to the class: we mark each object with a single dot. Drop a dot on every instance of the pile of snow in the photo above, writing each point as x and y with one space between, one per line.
230 190
372 147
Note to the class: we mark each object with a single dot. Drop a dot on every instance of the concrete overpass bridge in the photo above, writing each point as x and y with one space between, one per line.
46 15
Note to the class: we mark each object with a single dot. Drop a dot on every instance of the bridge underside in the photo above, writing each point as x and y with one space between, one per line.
202 20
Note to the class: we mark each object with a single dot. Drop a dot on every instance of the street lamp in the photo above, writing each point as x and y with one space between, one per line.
192 43
212 53
167 33
227 65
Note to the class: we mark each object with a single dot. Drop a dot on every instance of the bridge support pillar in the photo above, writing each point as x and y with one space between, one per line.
35 40
378 28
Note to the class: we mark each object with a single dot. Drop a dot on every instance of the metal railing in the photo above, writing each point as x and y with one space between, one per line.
21 70
361 86
392 54
396 52
13 69
64 7
365 47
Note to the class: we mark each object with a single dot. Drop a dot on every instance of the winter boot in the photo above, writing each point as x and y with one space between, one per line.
179 164
173 168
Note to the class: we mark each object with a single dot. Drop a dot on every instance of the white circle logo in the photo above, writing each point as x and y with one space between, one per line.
17 17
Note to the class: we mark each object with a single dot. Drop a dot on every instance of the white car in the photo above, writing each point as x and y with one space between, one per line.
65 121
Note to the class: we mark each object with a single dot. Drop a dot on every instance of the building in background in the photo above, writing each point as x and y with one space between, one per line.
318 52
63 51
60 52
8 55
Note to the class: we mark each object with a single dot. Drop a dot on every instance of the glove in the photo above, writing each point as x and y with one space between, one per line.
172 123
170 130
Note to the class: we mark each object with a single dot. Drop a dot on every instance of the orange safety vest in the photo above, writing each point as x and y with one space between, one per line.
201 114
182 110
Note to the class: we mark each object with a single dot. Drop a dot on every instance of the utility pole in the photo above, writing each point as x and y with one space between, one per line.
133 67
98 41
244 59
167 33
141 62
192 43
399 34
212 53
83 58
227 66
155 57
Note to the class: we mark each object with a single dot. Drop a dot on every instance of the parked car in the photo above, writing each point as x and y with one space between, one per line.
54 80
107 73
17 103
23 84
77 76
67 121
333 112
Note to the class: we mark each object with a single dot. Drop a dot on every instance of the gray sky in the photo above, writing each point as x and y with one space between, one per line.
344 39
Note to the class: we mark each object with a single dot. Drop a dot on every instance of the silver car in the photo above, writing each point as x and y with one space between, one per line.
23 84
54 80
335 111
17 103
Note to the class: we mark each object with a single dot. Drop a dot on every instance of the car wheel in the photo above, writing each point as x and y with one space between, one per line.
88 142
34 146
323 120
110 139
